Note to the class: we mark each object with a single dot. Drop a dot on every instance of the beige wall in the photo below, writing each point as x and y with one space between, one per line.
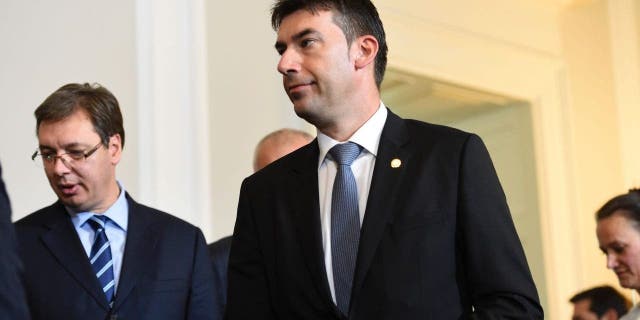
595 149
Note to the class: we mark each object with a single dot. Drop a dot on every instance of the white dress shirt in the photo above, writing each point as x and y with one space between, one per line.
115 228
368 137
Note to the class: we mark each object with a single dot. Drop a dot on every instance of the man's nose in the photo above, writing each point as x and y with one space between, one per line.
289 62
60 165
612 261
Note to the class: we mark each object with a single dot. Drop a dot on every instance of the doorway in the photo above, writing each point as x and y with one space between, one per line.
505 126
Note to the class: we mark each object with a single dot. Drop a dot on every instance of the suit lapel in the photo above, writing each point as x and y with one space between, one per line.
381 193
63 242
141 241
306 215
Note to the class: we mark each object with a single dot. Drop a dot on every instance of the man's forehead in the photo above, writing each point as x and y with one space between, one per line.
77 124
300 20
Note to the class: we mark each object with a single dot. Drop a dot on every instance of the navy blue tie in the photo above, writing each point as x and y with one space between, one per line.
345 223
100 258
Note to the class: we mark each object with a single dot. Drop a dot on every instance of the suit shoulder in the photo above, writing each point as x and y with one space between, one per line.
46 215
290 161
427 136
436 131
220 247
159 217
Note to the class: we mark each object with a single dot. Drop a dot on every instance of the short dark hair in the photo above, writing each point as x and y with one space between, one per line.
355 18
99 103
602 299
627 204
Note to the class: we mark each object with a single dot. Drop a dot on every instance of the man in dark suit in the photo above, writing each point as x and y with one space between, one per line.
599 303
96 253
379 217
270 148
12 300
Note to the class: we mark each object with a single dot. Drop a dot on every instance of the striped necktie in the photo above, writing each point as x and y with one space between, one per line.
100 258
345 223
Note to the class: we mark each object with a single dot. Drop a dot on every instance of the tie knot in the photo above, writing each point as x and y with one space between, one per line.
345 153
97 222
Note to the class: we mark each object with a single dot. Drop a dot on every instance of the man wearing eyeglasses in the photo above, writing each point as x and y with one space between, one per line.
96 253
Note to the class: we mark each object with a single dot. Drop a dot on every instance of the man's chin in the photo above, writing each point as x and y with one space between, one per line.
628 283
73 202
303 112
299 105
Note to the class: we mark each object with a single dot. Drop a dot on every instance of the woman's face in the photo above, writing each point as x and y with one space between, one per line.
620 241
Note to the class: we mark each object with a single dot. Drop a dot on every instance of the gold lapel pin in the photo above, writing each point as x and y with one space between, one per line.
395 163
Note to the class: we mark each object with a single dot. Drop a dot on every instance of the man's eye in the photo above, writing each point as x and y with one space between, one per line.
618 249
306 42
48 155
76 154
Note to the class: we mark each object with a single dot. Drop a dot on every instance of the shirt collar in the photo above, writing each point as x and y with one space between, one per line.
367 136
118 212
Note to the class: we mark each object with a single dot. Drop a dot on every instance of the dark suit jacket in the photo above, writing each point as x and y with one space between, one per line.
437 240
219 253
12 300
165 269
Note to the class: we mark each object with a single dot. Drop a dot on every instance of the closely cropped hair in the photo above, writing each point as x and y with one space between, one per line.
99 103
602 299
627 204
355 18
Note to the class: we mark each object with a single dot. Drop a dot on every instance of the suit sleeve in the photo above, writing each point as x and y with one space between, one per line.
12 299
248 293
498 277
201 295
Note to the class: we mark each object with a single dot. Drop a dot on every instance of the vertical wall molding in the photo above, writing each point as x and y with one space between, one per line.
173 118
623 24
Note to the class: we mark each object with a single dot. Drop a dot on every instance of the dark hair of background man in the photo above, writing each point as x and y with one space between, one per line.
602 299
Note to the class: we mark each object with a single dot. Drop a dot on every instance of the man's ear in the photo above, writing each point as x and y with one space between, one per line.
115 148
366 49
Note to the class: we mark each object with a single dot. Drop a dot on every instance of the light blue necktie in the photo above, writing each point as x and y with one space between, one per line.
345 223
100 258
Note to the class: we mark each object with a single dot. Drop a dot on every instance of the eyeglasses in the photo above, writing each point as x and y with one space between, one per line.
69 158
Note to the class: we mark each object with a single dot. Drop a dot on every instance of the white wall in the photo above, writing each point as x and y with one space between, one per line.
247 100
173 109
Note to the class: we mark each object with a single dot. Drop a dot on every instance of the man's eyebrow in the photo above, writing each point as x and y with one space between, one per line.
65 147
281 45
303 33
44 147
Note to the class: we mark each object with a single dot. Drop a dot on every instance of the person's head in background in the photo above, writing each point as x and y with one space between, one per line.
618 231
277 144
80 137
599 303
